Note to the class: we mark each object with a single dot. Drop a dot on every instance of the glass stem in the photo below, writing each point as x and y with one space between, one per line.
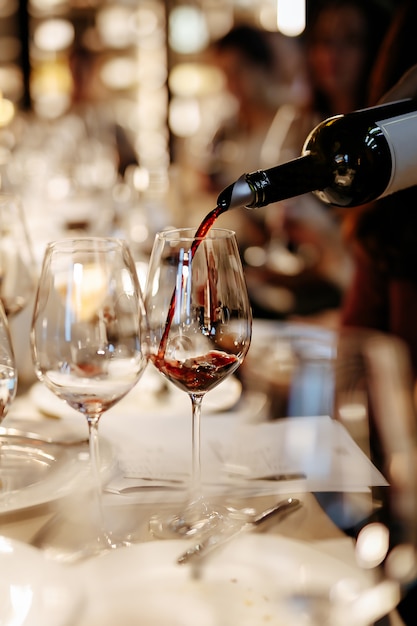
4 478
196 400
95 468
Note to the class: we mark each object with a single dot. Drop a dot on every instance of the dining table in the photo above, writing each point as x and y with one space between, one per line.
145 444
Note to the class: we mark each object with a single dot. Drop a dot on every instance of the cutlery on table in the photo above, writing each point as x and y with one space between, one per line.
147 482
169 483
224 535
279 477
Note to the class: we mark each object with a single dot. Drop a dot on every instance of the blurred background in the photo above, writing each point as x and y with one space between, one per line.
129 116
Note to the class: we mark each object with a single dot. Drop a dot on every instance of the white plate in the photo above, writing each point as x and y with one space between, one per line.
39 474
33 590
248 582
151 396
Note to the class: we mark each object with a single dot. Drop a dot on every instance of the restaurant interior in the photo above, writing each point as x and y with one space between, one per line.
292 499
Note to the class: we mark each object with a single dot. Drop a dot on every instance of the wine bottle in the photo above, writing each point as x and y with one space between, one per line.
346 160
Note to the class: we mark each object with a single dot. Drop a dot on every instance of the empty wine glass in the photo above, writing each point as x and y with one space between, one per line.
87 335
8 372
199 324
17 267
8 387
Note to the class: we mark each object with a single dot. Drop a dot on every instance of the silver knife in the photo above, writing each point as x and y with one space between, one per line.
214 541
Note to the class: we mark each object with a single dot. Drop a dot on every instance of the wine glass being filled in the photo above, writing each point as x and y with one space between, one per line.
199 324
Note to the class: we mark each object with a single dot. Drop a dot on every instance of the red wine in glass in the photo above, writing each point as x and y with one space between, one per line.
197 374
199 325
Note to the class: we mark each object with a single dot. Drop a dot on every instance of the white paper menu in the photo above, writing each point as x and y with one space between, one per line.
319 448
281 456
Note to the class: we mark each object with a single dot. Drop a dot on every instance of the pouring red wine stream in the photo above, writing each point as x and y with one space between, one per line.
200 233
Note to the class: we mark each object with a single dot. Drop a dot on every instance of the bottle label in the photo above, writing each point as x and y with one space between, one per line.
401 135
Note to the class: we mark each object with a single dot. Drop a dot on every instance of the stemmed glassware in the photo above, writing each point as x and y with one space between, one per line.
199 325
17 284
87 336
8 387
17 267
8 372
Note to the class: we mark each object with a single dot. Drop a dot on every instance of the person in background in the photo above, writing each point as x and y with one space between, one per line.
287 273
265 76
383 234
343 39
297 263
268 93
91 103
341 44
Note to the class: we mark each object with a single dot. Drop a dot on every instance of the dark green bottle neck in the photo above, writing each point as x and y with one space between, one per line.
288 180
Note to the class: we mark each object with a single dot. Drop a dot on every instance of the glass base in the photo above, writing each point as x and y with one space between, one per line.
67 542
77 530
196 519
